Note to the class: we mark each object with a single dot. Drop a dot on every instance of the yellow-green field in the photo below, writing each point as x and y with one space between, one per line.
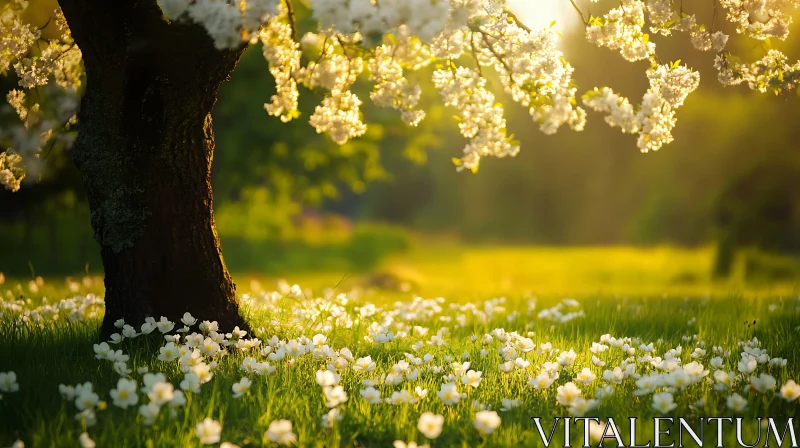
467 272
649 335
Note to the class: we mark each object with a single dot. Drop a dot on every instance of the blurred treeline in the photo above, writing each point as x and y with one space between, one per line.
731 178
287 198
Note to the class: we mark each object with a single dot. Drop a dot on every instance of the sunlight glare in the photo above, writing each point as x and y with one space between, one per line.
539 14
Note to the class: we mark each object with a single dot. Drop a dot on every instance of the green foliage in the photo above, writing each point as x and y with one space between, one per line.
52 237
759 208
371 243
257 235
313 248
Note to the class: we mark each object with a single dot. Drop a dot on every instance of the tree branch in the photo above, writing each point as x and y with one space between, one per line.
580 13
292 24
714 16
499 57
45 24
475 53
517 21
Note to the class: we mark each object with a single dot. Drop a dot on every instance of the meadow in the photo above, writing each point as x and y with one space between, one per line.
445 346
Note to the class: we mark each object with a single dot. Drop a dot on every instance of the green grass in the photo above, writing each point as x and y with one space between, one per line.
623 292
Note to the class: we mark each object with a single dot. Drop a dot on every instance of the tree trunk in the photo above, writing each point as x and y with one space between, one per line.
144 150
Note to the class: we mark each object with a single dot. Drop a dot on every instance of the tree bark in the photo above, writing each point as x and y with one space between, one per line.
144 150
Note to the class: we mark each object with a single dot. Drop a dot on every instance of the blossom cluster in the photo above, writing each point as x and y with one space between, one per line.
283 55
773 73
392 39
531 68
392 89
52 70
665 19
16 37
339 114
655 118
422 18
10 174
230 24
621 30
481 117
761 19
59 60
469 42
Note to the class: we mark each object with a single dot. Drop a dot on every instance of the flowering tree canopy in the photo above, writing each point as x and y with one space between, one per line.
466 41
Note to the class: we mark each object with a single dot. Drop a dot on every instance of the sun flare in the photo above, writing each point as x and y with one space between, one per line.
541 13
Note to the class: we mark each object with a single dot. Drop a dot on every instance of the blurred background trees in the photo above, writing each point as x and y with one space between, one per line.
287 198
